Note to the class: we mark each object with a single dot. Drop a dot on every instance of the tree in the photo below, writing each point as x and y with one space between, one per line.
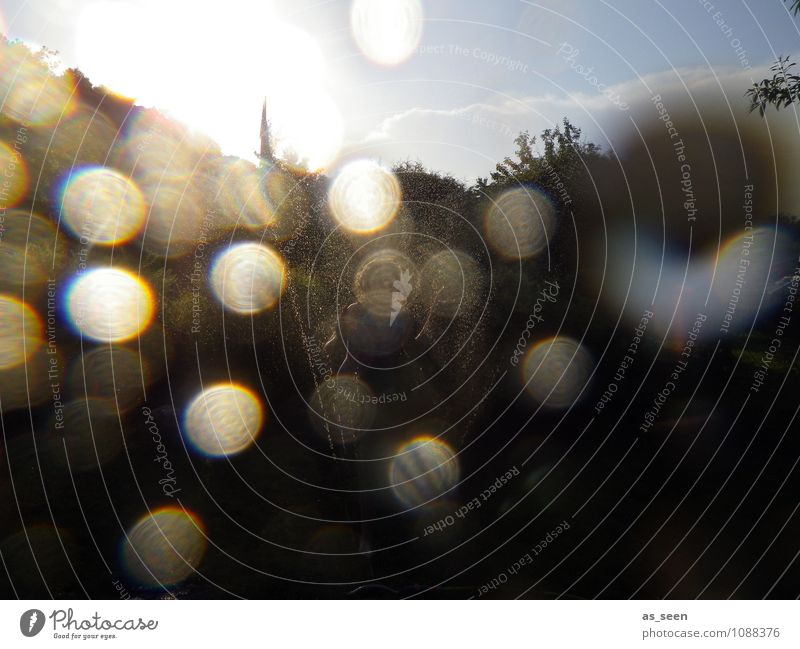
783 89
434 201
558 168
423 185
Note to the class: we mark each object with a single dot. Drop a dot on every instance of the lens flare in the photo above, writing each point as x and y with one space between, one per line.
364 197
83 436
164 547
386 31
27 385
88 137
643 276
248 278
160 152
223 420
750 272
422 470
556 370
14 174
242 194
20 332
378 284
102 206
28 251
520 223
174 224
342 409
174 168
116 374
110 305
28 229
452 283
31 93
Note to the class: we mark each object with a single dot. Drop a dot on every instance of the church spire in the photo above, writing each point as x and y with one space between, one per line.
266 146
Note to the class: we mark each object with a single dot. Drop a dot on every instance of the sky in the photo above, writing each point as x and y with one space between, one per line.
446 82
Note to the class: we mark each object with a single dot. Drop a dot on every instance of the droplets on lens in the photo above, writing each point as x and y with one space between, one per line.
242 193
110 305
20 332
29 251
160 152
556 371
103 206
520 223
223 420
31 93
116 374
84 436
365 197
14 174
27 385
164 547
422 470
384 282
174 225
386 31
248 278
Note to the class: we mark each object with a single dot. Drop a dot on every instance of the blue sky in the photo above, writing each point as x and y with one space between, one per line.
481 71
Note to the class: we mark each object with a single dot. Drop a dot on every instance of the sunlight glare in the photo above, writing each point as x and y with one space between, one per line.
223 420
248 278
110 305
386 31
520 223
20 332
556 371
164 547
365 197
422 470
102 206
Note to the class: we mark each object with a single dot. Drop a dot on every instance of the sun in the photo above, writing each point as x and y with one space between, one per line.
213 73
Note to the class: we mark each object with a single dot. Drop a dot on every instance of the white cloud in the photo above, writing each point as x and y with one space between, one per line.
468 140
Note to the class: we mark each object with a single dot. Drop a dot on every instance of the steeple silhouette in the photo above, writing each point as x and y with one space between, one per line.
266 146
